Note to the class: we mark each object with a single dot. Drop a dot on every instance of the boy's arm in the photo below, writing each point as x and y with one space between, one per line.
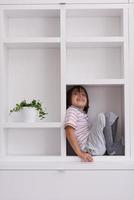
74 144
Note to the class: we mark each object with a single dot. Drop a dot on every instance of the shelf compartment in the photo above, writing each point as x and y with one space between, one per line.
33 73
94 22
94 63
22 23
33 142
107 98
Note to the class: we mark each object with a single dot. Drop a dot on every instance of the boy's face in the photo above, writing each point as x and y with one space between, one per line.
79 98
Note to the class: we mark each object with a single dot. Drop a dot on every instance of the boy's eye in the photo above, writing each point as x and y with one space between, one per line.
75 93
83 94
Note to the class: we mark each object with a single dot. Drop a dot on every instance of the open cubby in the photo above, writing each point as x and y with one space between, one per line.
32 23
94 63
94 22
33 142
29 76
106 98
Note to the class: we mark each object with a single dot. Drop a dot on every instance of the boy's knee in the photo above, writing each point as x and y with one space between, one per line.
102 120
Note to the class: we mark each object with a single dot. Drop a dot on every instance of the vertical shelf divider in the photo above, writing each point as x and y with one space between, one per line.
63 84
131 64
126 86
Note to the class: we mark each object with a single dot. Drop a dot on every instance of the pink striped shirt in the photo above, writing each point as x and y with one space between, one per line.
78 119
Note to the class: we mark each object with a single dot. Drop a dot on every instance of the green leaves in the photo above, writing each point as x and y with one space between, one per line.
34 104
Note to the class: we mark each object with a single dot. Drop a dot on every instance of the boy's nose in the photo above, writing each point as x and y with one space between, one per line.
80 96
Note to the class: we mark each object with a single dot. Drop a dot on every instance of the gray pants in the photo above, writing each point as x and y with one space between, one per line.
113 146
96 140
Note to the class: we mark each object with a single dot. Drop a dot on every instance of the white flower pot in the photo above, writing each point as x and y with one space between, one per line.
29 114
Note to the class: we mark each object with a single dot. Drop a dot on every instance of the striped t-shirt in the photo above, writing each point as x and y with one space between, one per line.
78 119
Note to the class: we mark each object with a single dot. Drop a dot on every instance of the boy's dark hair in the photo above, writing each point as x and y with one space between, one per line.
69 96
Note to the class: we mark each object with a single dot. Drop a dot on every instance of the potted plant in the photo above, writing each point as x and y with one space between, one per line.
30 110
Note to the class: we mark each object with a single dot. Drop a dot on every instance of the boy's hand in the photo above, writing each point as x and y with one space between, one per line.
86 157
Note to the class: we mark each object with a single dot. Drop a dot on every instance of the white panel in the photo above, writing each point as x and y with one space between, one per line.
56 185
33 142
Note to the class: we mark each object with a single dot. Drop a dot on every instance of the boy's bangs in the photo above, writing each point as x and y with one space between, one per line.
78 89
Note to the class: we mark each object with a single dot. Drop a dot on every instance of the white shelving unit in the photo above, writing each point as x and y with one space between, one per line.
46 49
